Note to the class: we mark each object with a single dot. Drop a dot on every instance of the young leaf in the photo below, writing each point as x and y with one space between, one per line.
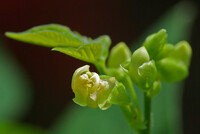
90 53
55 35
50 35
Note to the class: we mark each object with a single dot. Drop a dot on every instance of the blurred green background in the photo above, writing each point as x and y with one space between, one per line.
35 92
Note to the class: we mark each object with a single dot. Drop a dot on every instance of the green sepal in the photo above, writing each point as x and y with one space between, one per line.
147 73
126 64
155 42
119 54
139 57
172 70
182 52
103 94
116 96
119 95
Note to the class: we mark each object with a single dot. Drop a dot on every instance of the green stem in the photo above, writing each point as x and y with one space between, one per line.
132 118
101 67
128 112
147 114
130 115
129 85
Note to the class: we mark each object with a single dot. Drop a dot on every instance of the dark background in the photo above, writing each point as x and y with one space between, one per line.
50 72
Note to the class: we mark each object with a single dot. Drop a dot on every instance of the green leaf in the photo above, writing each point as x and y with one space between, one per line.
8 127
51 35
55 35
79 120
15 89
105 42
119 54
89 53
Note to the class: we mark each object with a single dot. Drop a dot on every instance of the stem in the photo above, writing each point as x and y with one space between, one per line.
128 112
129 85
130 115
147 114
101 68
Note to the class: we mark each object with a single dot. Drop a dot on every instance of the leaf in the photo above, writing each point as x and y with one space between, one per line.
50 35
8 127
105 42
55 35
15 89
90 53
79 120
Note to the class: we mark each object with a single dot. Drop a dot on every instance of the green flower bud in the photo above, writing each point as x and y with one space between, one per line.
167 50
139 57
155 42
119 54
182 52
94 91
143 72
172 70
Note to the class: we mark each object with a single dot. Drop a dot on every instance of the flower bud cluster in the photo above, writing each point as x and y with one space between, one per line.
158 61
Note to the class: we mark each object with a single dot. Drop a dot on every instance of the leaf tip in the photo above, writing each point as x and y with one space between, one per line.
55 49
8 34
